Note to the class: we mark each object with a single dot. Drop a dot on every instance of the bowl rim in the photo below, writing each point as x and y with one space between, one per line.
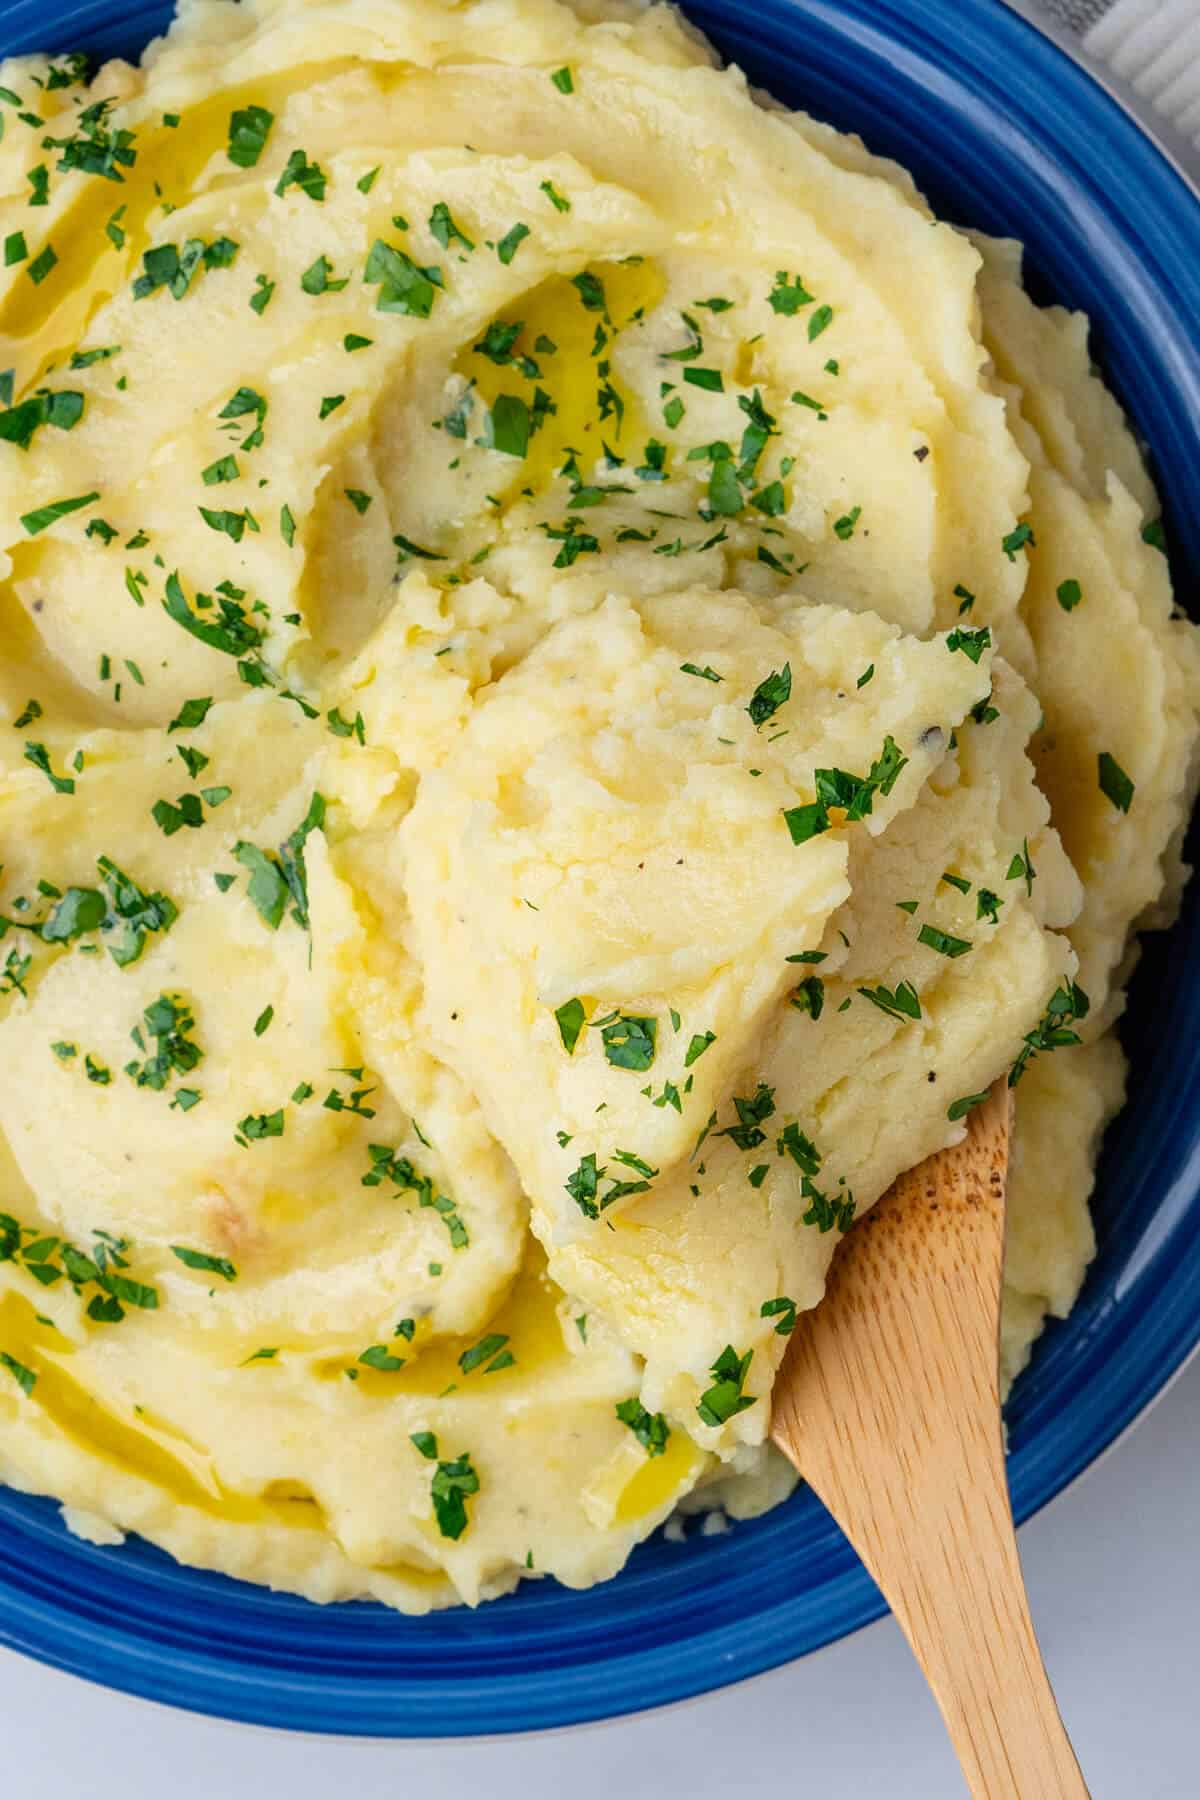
964 39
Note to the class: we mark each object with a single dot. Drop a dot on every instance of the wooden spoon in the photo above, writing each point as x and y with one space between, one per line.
888 1405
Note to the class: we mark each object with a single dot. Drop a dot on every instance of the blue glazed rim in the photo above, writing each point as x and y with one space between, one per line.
1004 131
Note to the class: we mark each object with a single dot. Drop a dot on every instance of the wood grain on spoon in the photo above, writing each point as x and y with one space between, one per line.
888 1405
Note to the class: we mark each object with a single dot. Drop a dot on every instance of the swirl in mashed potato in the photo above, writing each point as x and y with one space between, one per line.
580 677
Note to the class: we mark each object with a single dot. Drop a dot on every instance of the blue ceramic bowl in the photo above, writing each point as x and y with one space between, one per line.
1003 132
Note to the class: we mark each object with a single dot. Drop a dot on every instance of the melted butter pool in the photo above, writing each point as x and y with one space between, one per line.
572 373
138 1444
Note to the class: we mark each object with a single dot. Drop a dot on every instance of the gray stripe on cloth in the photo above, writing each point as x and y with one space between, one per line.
1077 15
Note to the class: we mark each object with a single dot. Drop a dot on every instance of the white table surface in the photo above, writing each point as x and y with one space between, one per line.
1113 1569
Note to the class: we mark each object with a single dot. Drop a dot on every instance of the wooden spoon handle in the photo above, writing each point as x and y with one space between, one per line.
888 1405
951 1573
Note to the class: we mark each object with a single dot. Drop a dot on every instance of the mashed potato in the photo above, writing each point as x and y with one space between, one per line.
580 677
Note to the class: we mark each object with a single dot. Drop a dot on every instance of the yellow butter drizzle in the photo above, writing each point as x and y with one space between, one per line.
660 1480
138 1445
41 323
528 1318
569 374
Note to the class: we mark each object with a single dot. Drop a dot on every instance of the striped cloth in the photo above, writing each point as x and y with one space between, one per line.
1078 15
1153 46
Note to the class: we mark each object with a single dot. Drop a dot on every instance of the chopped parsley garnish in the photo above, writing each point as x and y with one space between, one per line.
839 791
901 1003
1069 595
1021 867
44 516
263 1021
26 1379
942 941
752 1114
1066 1005
571 1019
629 1042
971 643
844 527
319 278
16 968
277 877
563 80
386 1165
453 1482
809 997
788 295
726 1398
78 911
97 149
1017 540
249 129
137 913
445 230
711 380
782 1309
235 633
229 522
572 542
1115 784
168 1021
509 425
243 403
958 1109
63 410
209 1265
827 1212
584 1184
650 1429
511 242
335 1101
378 1356
406 548
167 266
257 1126
770 694
987 905
39 756
404 287
699 1044
490 1350
310 178
51 1260
819 321
804 1153
705 674
1152 531
346 728
225 468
